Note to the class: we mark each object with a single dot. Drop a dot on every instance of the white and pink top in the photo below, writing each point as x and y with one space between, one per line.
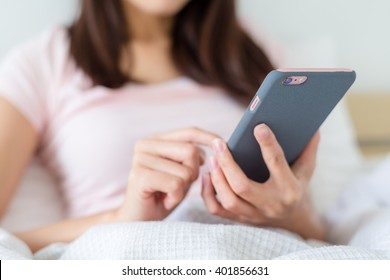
87 134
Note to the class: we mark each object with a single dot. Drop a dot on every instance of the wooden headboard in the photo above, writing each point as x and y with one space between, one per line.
370 114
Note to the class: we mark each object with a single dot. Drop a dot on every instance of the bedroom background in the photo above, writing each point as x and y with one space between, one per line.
329 33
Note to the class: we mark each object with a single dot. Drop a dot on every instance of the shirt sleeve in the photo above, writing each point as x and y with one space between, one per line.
24 80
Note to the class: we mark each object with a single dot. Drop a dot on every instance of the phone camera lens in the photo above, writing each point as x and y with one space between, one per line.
287 81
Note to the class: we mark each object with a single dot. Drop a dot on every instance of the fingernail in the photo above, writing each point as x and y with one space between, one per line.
169 203
213 164
262 131
218 145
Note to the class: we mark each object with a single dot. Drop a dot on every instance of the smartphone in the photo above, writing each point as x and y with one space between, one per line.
293 103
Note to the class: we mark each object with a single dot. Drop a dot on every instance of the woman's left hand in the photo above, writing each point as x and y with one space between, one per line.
282 201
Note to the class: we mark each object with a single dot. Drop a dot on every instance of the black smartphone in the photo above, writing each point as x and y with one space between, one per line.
293 103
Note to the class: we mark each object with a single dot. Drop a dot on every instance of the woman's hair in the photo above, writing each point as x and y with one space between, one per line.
208 45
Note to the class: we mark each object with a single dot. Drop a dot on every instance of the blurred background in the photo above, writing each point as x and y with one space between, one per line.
333 33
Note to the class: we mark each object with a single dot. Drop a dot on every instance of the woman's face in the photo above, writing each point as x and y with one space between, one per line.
165 8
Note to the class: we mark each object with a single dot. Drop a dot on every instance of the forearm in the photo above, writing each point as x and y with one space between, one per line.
64 231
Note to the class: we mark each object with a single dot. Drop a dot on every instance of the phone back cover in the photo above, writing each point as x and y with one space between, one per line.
293 112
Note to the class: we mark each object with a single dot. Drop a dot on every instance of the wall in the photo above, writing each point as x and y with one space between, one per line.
21 20
332 33
356 30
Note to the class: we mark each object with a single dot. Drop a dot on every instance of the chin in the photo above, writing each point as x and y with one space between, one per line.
159 7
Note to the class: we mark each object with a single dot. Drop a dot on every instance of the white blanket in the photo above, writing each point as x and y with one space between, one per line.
197 240
360 220
364 205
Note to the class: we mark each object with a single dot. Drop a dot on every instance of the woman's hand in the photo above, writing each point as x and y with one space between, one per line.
282 201
164 167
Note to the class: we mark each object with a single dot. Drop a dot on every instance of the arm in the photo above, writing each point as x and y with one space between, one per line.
18 141
164 166
282 201
64 231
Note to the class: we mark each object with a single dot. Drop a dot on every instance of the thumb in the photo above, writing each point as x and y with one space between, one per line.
272 152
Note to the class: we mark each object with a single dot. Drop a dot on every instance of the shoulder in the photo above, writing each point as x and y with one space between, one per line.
52 47
47 52
51 39
32 71
54 39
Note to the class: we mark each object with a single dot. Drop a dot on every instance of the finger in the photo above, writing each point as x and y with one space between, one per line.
185 153
304 166
167 166
211 202
152 182
192 135
229 200
256 194
268 198
235 177
215 207
272 153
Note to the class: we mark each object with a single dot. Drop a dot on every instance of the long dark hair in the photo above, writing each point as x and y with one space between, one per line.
209 46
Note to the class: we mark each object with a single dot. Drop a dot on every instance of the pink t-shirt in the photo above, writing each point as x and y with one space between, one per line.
87 134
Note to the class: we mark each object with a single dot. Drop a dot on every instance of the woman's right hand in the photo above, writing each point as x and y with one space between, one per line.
164 167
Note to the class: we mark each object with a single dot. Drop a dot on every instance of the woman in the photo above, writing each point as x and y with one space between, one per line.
82 98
